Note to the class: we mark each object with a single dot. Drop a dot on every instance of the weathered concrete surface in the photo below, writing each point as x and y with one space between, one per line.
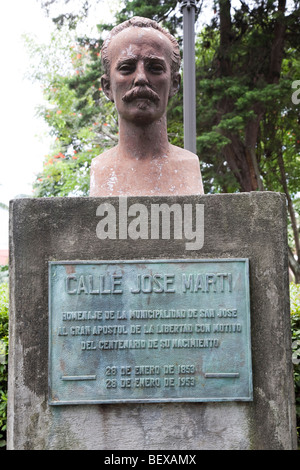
248 225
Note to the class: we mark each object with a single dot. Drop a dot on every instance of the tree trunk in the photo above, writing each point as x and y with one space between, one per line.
295 266
240 157
225 37
278 44
240 163
293 262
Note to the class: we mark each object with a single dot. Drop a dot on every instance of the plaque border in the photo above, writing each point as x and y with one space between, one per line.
155 400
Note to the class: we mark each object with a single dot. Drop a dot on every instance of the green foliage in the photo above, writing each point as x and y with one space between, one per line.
161 11
81 119
3 359
295 321
230 107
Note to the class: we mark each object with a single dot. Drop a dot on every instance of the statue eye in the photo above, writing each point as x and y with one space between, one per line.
156 67
126 68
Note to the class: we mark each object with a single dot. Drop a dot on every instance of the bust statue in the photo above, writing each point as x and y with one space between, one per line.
141 62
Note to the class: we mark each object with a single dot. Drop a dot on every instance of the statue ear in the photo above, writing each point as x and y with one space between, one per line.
175 85
105 83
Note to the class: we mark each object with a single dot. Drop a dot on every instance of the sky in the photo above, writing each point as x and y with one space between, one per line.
24 137
22 151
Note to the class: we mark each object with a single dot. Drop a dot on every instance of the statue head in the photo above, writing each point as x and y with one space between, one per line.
141 62
140 22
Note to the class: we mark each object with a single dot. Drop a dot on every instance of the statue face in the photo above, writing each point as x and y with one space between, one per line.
140 81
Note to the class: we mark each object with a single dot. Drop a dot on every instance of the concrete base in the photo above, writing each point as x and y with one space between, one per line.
248 225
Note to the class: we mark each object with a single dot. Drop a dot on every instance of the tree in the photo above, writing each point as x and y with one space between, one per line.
69 12
247 59
81 119
248 126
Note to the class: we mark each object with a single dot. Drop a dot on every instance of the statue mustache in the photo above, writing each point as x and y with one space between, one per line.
141 92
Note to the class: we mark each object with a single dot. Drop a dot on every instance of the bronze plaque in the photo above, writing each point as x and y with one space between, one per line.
149 331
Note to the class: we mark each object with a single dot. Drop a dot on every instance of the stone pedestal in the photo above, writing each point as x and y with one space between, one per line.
248 225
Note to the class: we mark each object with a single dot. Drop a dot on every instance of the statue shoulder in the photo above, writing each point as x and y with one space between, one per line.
183 154
105 157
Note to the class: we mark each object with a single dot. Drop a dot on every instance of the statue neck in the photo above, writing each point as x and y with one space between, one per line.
143 142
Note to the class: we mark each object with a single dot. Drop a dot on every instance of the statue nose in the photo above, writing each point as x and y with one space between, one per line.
141 76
